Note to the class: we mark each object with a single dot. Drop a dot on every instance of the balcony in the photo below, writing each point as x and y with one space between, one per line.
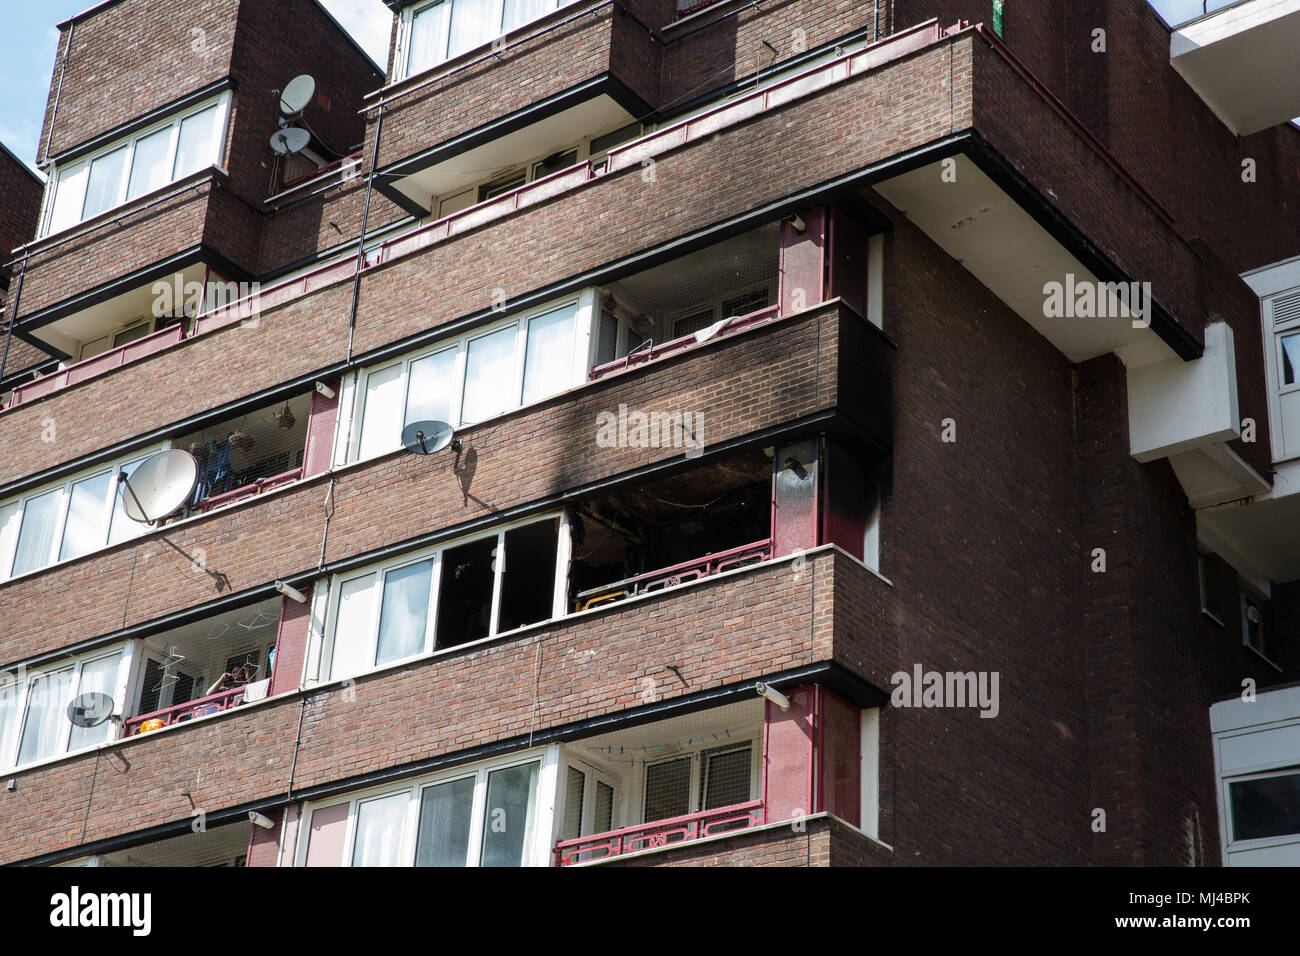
664 833
610 76
1240 58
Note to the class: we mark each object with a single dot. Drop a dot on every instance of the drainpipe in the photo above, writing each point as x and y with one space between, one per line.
361 242
58 93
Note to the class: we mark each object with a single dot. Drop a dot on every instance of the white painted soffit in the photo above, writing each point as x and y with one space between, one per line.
998 242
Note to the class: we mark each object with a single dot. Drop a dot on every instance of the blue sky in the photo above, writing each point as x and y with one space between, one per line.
30 38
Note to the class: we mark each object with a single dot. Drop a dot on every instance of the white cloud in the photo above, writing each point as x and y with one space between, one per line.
369 22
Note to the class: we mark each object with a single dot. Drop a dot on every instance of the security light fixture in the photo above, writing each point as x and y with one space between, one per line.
771 693
290 592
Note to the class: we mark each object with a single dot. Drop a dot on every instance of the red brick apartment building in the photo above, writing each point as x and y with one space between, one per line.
876 437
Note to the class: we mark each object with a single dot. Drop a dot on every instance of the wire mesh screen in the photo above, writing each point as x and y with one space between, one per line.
730 279
660 783
236 455
202 847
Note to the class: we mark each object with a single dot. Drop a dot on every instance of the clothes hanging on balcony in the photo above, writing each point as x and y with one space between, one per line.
215 476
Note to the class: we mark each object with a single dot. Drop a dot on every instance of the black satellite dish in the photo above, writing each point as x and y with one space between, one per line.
425 438
90 710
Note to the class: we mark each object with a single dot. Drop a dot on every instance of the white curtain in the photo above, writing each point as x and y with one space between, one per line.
404 618
36 539
519 12
548 362
379 831
98 677
352 629
473 23
381 422
428 44
200 143
508 824
45 731
489 374
431 388
105 182
445 811
150 163
84 529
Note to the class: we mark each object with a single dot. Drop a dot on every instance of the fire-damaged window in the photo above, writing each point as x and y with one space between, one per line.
672 530
441 598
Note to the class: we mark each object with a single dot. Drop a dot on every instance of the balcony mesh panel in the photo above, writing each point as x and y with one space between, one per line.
237 453
211 847
731 278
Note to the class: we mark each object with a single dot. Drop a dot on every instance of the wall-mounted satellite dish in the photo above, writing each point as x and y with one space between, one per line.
425 438
297 95
290 140
703 335
161 484
90 710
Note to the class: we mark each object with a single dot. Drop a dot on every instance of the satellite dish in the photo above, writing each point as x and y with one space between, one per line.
161 484
425 438
90 710
703 335
290 140
297 95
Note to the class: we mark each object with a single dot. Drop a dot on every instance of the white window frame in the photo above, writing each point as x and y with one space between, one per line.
326 638
59 177
592 776
11 742
1274 330
9 549
537 853
1231 843
696 753
349 429
401 61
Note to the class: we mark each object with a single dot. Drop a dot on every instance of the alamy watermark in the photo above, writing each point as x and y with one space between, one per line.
922 688
1086 299
175 298
637 429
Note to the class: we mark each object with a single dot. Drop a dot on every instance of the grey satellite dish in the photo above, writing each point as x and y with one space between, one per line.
290 140
161 484
90 710
425 438
297 95
703 335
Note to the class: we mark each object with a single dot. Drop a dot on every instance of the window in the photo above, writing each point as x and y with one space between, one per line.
1264 807
1253 631
459 593
33 707
705 780
145 162
438 31
1281 314
65 522
475 816
470 379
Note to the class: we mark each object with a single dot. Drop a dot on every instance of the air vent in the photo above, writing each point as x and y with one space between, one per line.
1286 308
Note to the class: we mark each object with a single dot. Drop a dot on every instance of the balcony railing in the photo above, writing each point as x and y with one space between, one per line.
648 354
98 365
709 564
661 833
250 490
202 707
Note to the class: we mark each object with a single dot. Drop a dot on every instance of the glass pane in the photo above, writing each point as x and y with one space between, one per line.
489 375
519 12
105 183
10 516
36 539
1265 808
404 617
548 360
603 820
1290 359
199 144
431 388
84 529
151 163
473 23
45 731
465 592
528 578
352 630
69 197
726 778
123 528
428 38
668 789
574 785
444 823
11 704
508 823
97 677
379 831
381 422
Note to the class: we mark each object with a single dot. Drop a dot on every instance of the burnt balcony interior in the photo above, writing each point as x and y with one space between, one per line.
203 668
675 305
247 454
672 530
